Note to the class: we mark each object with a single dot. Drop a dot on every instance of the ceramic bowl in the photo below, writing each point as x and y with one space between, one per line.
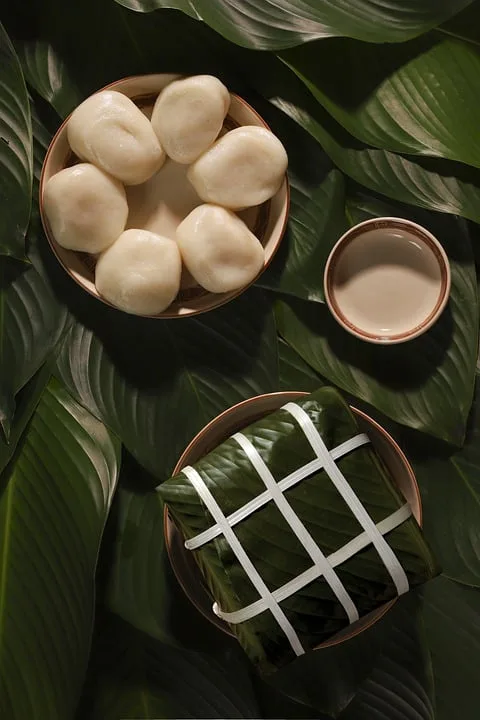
387 280
235 419
267 221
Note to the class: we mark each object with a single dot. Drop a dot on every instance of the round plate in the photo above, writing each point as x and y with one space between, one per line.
235 419
267 221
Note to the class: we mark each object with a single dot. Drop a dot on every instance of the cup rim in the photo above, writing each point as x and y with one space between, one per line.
221 298
368 620
357 231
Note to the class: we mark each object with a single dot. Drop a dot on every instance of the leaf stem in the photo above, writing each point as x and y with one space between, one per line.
457 36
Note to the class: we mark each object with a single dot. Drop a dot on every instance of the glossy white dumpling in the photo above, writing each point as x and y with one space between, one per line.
140 273
189 115
218 249
86 208
245 167
109 130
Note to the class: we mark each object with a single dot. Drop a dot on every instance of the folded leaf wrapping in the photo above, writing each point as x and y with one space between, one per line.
367 566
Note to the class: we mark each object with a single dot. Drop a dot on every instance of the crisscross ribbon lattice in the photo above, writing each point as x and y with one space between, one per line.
322 565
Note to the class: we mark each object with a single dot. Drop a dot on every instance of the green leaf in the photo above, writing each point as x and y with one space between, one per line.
465 25
136 587
450 485
26 402
294 372
31 324
452 621
186 6
335 679
15 152
42 137
56 493
134 676
156 383
136 575
32 320
383 673
46 73
285 23
275 704
426 182
317 219
143 44
426 383
140 586
401 684
432 183
417 97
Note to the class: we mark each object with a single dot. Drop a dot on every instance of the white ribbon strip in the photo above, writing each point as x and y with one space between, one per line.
289 481
242 557
337 558
311 547
386 553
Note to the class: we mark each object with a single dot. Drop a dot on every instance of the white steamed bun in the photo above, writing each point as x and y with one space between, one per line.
140 272
109 130
86 208
218 249
243 168
188 116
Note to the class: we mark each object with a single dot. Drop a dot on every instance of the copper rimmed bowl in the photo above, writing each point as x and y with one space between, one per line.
177 198
387 280
235 419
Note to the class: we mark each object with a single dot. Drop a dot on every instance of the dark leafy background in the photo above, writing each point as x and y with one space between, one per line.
377 105
15 152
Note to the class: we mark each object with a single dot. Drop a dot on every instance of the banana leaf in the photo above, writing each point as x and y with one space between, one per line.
275 551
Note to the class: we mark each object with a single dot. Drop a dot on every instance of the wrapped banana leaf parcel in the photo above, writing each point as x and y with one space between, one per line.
298 528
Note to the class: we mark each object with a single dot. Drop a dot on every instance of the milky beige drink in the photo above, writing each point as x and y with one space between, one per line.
386 282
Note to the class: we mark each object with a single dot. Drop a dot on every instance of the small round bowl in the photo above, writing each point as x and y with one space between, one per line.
235 419
387 280
267 221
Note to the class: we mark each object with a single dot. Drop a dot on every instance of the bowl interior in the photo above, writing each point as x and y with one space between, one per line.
162 202
387 280
233 420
